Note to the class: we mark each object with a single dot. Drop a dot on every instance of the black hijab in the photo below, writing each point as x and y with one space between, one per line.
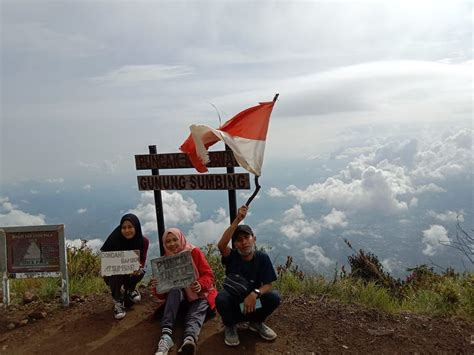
116 241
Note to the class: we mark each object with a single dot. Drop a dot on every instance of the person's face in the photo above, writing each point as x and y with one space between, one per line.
128 230
172 243
245 243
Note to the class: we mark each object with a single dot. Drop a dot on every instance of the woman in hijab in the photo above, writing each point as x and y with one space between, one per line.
198 298
127 236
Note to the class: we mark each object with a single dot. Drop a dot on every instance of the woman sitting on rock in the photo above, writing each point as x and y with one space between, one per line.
127 236
196 299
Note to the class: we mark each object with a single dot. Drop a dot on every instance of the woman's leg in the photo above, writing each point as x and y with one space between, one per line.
173 301
115 283
130 282
195 318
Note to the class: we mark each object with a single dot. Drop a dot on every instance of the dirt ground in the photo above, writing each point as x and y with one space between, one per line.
311 325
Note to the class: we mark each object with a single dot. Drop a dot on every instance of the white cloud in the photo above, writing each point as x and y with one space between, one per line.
87 187
296 212
446 158
434 238
37 37
34 192
209 231
177 210
136 74
81 210
377 189
447 216
95 244
315 255
275 192
11 216
55 180
335 219
392 265
295 224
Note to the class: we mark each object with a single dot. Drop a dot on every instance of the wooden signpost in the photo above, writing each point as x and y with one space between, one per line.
156 182
31 252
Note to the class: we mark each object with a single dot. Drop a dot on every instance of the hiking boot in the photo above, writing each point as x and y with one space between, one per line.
165 344
134 296
119 310
263 330
231 336
188 347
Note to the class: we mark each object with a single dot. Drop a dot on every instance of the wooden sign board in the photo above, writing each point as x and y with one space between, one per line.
174 271
240 181
32 250
181 161
122 262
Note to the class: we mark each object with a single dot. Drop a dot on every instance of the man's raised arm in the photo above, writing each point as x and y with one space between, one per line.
223 243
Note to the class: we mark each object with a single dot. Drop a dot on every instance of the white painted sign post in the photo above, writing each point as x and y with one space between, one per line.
122 262
174 271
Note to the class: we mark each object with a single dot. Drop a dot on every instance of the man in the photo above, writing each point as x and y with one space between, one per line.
256 267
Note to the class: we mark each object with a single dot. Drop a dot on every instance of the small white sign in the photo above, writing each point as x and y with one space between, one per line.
174 271
123 262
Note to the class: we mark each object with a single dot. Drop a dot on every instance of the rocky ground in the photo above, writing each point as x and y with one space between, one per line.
311 325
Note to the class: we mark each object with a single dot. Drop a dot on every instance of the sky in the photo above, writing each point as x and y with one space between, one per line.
370 140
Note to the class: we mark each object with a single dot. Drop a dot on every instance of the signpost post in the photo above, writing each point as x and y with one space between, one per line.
31 252
156 182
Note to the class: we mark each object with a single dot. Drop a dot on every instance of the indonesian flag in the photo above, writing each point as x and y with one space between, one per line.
245 134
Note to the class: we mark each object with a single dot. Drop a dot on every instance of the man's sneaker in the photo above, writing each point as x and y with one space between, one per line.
164 345
134 296
119 310
231 336
188 347
263 330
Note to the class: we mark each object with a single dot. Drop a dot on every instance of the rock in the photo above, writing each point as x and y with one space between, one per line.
38 314
29 297
23 322
11 326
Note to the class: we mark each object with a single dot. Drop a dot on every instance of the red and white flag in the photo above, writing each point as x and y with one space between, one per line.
245 134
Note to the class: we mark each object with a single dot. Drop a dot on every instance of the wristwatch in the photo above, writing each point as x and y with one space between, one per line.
258 292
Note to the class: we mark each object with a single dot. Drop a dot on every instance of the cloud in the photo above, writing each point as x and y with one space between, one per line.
446 158
275 192
447 216
11 216
105 166
211 230
392 265
38 37
295 224
434 238
55 181
334 219
315 255
95 244
376 189
87 187
81 210
136 74
177 210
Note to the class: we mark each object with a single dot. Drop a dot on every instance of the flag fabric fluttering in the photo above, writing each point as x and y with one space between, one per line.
245 134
